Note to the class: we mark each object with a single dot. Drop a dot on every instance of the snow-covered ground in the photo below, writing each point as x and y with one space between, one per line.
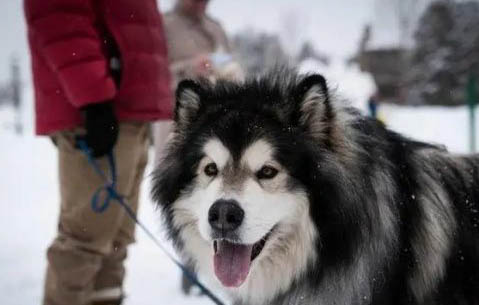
441 125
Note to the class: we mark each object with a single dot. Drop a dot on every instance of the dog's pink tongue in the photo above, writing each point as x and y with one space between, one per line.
232 262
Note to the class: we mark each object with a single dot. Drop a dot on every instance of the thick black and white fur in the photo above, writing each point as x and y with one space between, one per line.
355 213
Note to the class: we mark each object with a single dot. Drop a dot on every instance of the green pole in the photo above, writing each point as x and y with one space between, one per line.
471 94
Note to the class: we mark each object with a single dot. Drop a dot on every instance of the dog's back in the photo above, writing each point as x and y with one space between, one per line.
459 176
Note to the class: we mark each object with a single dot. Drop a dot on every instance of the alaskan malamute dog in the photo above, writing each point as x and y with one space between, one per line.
276 193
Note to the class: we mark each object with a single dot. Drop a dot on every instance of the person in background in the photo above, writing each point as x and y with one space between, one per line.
197 48
100 72
373 106
197 44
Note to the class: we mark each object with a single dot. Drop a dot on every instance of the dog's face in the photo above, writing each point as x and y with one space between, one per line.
233 184
237 201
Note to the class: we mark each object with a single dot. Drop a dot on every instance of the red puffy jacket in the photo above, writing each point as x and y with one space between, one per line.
72 43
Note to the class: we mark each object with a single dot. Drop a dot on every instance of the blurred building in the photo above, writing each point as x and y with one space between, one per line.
427 50
385 47
387 66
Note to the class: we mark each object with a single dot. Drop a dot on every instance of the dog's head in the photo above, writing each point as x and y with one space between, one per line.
235 182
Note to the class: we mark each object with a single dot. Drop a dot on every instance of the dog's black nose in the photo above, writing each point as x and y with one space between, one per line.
225 215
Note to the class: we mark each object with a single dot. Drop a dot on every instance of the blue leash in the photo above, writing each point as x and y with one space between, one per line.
111 194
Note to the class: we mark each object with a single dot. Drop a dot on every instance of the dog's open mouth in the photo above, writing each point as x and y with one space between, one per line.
232 261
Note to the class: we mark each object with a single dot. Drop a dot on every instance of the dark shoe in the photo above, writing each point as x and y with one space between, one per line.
186 284
108 302
188 287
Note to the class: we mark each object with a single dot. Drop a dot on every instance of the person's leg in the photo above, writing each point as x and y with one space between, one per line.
161 133
108 282
84 237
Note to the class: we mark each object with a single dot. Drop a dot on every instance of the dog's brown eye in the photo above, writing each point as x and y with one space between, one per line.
211 169
267 172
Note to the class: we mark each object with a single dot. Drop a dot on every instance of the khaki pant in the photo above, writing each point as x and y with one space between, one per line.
161 133
87 255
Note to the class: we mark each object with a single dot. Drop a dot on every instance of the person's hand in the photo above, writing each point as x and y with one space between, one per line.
101 128
202 65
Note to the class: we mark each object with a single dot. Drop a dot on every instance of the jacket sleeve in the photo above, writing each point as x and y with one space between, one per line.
66 37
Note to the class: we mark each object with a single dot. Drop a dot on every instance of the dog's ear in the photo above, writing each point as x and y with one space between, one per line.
188 102
313 107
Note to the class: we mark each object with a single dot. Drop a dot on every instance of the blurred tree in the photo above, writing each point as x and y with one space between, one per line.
307 51
257 52
406 20
446 53
4 94
291 30
395 20
11 94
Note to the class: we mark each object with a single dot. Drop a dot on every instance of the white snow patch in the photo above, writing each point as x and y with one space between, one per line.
347 80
